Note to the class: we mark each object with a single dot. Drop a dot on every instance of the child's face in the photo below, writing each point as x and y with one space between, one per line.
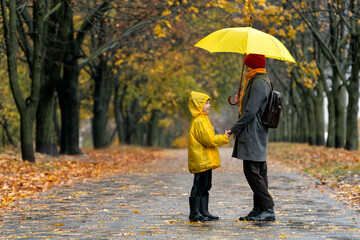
206 108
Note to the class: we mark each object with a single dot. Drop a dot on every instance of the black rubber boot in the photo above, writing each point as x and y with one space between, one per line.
195 214
264 215
204 208
255 211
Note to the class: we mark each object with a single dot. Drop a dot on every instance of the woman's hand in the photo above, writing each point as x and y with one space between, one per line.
228 133
237 100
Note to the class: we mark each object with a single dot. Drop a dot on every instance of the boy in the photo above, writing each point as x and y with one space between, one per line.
203 156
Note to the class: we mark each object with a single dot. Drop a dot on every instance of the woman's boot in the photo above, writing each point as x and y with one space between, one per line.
195 214
254 212
204 208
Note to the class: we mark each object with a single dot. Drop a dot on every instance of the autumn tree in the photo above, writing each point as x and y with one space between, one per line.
56 30
26 107
337 50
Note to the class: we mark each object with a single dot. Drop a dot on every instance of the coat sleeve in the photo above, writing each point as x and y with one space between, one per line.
257 96
206 136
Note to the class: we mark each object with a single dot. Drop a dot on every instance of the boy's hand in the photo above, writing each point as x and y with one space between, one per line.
228 133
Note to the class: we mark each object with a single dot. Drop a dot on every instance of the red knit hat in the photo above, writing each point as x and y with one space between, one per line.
255 61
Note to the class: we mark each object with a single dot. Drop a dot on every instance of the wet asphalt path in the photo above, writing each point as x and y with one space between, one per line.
152 203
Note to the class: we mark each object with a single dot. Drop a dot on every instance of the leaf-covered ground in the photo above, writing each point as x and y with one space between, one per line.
337 169
20 179
150 201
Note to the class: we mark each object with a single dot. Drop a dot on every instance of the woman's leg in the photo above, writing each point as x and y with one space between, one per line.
255 173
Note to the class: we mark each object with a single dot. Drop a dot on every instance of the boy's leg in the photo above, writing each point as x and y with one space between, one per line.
207 182
201 184
204 202
198 188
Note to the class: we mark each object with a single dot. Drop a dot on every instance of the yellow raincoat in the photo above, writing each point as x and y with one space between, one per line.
203 153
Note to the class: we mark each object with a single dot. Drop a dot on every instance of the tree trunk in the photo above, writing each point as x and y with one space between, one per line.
26 108
330 139
330 142
352 111
353 90
56 122
152 129
305 125
69 100
102 96
285 123
57 30
7 132
339 118
26 135
319 114
118 118
45 131
68 95
310 109
69 104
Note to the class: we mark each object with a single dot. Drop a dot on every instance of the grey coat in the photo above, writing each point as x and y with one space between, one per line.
251 136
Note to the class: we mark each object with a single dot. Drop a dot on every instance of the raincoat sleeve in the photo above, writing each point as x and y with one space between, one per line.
257 95
205 135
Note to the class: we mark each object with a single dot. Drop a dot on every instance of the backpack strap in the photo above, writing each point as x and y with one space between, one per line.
268 82
271 90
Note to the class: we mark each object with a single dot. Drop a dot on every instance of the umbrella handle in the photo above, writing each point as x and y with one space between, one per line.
229 97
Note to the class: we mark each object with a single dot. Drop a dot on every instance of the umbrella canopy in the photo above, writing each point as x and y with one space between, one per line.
245 40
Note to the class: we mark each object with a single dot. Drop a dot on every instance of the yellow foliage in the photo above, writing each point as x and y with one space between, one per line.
272 31
291 33
159 31
301 28
193 9
181 142
167 23
282 33
312 64
165 122
261 3
118 62
165 13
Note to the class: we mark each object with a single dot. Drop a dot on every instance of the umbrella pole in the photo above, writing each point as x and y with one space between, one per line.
241 78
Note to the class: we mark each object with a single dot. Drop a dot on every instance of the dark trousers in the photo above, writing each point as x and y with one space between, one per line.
256 175
202 184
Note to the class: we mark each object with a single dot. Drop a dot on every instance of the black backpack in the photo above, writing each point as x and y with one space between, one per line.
271 115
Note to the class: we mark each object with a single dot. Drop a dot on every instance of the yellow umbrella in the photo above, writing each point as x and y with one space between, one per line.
245 40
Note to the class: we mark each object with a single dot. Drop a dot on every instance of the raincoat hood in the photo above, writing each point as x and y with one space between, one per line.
197 101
